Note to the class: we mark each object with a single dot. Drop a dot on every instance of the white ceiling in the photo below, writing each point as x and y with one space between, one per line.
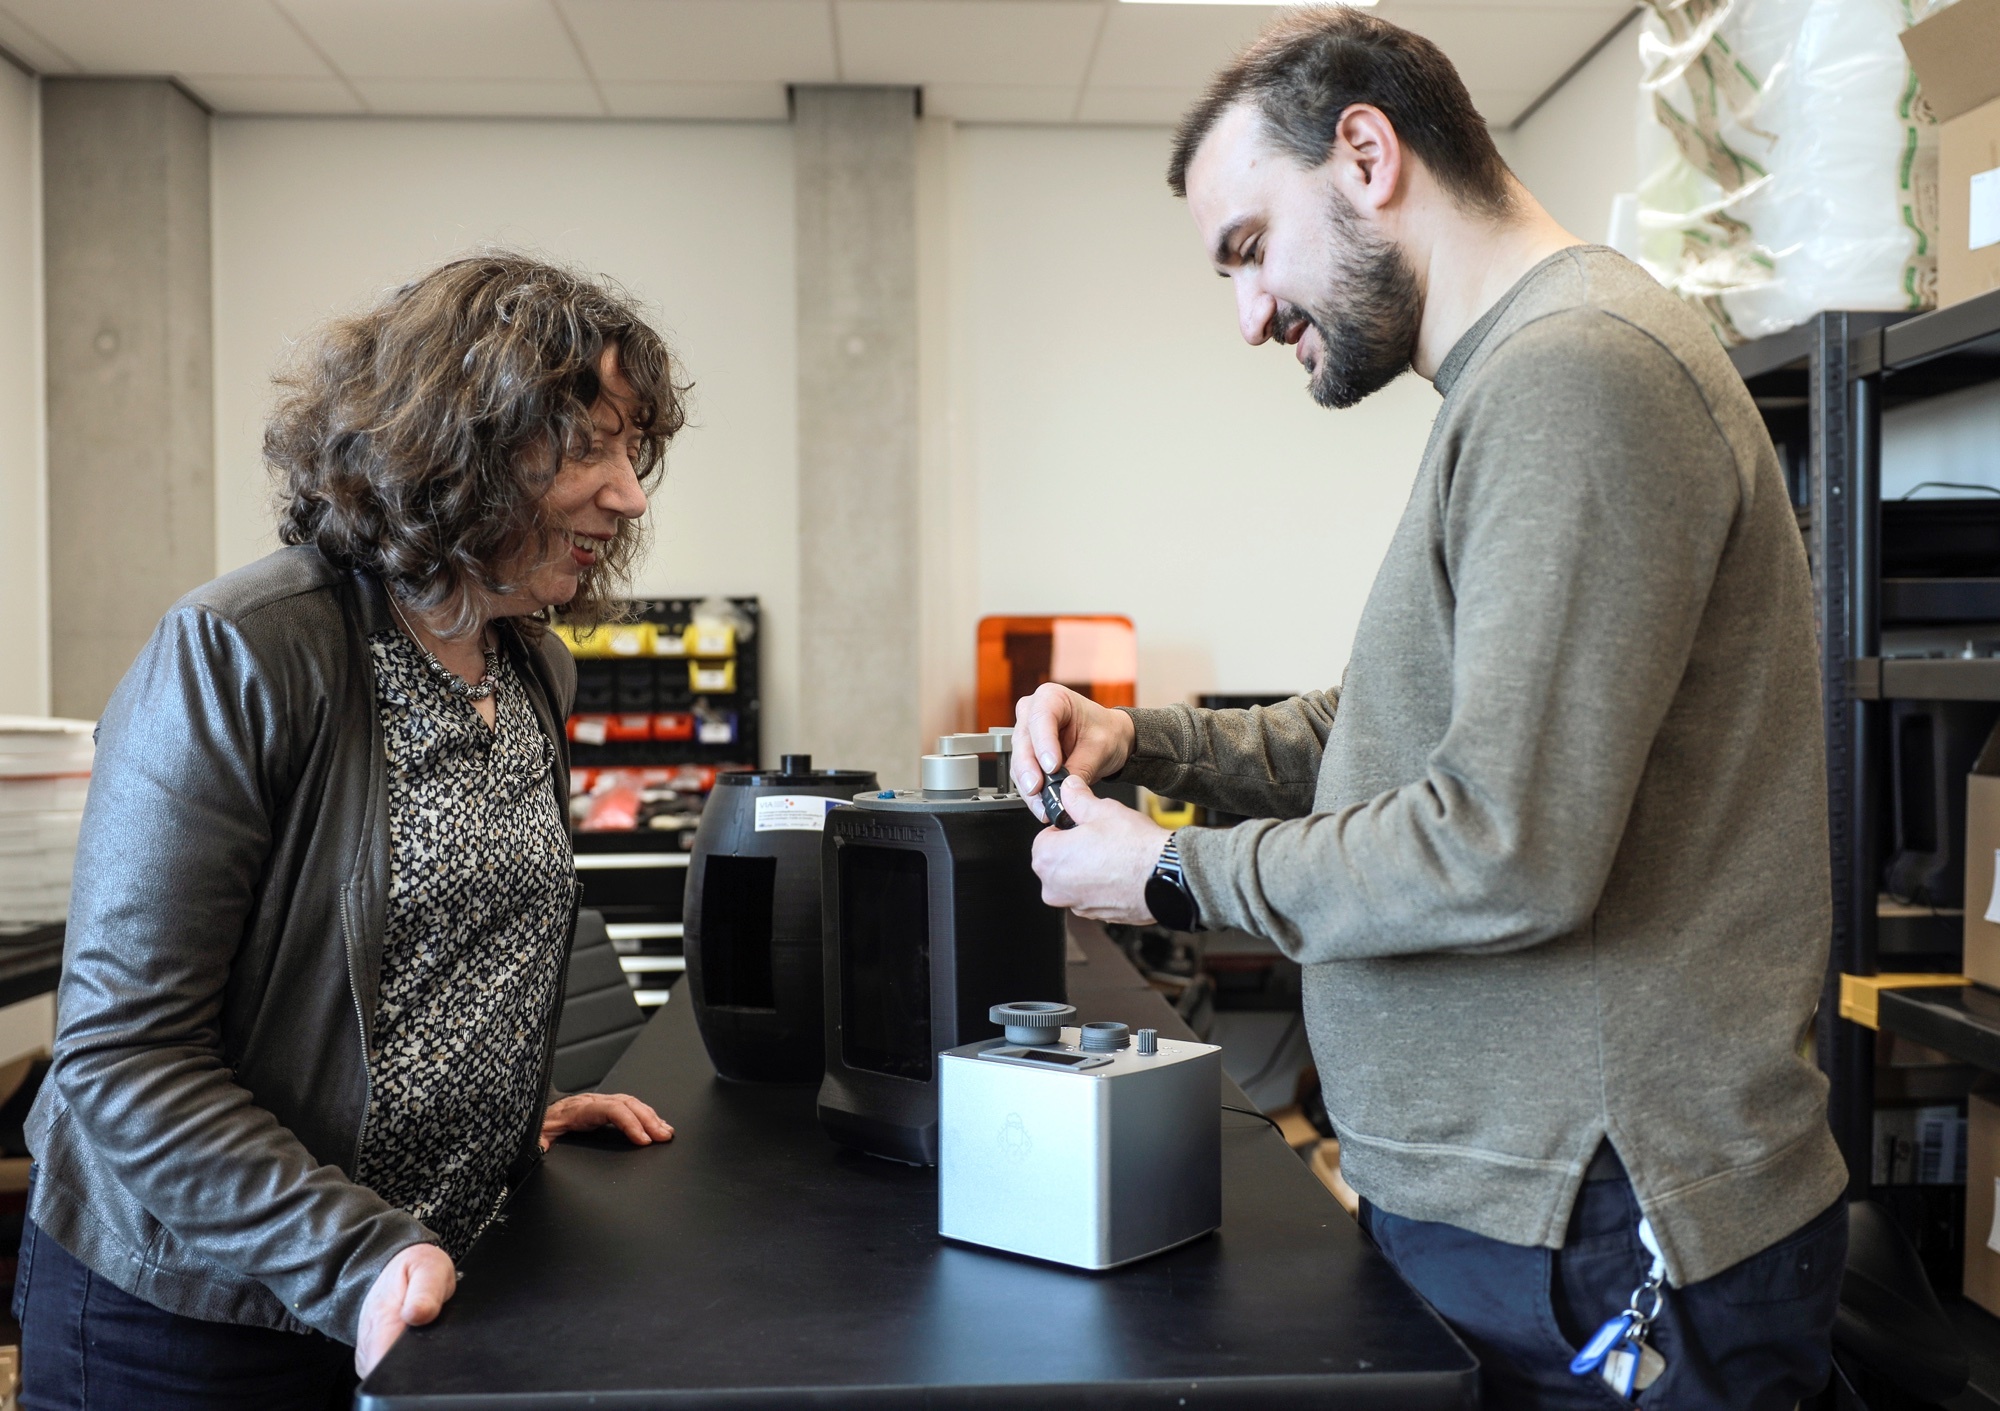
976 60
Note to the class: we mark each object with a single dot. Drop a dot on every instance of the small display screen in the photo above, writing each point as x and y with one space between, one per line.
1035 1055
885 961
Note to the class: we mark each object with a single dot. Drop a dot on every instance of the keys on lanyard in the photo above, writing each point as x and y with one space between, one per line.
1618 1352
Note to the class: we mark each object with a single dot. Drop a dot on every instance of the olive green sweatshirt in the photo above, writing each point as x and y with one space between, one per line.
1554 856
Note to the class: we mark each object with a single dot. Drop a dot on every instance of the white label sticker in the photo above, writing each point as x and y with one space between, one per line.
778 813
1993 902
1985 210
590 732
716 732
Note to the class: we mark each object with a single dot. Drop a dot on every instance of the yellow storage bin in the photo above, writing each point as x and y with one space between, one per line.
709 640
624 639
711 678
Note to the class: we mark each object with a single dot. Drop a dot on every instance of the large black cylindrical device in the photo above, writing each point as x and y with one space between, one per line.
752 919
933 915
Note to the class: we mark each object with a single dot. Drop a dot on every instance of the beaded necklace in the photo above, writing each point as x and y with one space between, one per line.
479 690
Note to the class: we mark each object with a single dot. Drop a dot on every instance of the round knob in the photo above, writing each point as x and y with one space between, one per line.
950 776
1105 1036
1149 1042
795 764
1032 1021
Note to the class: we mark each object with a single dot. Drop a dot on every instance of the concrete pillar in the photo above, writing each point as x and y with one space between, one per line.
859 513
131 438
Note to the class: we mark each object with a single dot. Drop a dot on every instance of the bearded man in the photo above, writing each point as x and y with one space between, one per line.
1553 857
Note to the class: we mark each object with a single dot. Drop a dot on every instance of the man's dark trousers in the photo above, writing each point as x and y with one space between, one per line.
1756 1337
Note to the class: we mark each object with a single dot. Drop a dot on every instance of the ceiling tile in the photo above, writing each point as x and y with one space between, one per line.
480 98
705 41
172 36
459 39
1517 48
31 48
273 95
1160 107
1500 106
696 100
1044 43
998 102
1166 46
1612 10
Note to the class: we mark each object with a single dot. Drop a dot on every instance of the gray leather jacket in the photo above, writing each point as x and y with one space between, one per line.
195 1136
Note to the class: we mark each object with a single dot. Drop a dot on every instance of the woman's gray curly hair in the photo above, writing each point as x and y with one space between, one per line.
416 441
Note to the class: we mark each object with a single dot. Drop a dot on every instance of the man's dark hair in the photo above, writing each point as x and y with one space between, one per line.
1308 68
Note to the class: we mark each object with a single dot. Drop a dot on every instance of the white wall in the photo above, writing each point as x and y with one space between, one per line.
1582 147
24 577
1128 453
318 216
24 685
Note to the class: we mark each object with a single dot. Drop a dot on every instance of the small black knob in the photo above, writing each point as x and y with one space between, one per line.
795 764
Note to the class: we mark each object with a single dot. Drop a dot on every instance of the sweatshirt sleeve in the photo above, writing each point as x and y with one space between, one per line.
1586 498
1262 762
193 760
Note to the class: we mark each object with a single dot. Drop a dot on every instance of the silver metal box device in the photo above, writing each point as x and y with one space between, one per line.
1086 1145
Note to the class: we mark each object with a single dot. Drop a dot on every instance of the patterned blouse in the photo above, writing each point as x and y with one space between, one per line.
480 889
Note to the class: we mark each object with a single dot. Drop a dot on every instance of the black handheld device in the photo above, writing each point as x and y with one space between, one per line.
1052 804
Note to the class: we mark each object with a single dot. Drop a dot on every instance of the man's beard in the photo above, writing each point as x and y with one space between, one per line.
1368 319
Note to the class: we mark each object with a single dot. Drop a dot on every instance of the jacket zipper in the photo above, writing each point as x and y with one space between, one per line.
361 1026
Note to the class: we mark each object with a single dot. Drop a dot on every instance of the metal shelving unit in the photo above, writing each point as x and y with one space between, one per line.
1823 388
637 878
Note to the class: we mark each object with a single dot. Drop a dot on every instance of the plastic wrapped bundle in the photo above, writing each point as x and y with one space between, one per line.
1795 164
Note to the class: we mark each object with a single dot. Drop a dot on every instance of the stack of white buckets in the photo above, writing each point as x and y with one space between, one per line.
44 774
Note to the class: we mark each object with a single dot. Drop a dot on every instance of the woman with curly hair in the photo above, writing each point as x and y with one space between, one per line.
324 893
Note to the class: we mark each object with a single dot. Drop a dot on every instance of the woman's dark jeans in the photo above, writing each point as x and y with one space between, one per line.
87 1345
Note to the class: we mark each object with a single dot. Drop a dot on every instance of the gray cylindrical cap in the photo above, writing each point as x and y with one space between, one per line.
950 776
1105 1036
1032 1021
1149 1041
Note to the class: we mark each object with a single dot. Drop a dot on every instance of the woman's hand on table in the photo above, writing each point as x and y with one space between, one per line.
410 1291
586 1112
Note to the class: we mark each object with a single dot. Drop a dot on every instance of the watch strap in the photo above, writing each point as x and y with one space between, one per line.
1168 896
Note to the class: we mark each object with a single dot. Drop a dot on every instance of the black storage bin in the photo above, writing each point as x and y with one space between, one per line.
752 919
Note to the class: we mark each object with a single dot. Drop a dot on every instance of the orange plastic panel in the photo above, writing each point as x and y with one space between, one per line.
1096 654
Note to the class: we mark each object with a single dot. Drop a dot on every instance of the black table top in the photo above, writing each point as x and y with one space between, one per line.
30 961
752 1264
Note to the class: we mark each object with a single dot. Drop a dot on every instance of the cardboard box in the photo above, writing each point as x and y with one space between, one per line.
1956 55
1982 1185
1982 841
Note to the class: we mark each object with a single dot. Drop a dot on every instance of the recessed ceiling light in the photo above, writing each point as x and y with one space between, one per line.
1299 4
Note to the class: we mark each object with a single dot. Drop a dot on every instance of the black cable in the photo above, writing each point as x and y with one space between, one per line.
1911 493
1253 1112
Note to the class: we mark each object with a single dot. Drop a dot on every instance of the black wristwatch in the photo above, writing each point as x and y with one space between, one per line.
1167 894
